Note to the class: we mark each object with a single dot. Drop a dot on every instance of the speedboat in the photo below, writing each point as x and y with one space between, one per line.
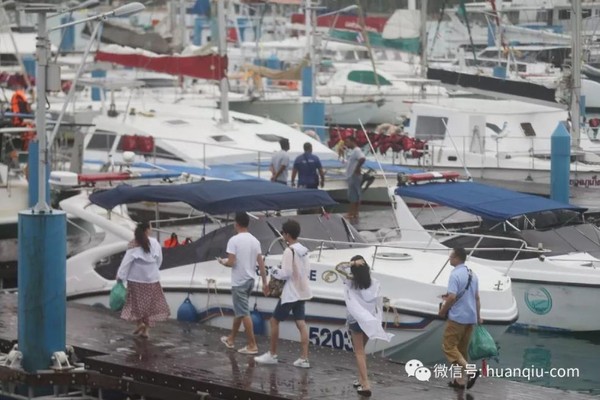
551 255
412 280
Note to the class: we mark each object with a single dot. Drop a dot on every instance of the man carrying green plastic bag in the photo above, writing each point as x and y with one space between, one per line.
117 297
461 308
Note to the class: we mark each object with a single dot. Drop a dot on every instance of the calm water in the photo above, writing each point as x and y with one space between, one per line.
543 351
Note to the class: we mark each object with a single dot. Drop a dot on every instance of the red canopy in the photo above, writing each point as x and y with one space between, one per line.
210 66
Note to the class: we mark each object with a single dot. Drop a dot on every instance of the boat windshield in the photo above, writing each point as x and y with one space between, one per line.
322 230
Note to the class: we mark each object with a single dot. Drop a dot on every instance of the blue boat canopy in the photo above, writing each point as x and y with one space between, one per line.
486 201
217 197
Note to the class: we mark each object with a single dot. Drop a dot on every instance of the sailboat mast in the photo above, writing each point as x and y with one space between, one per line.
222 24
423 38
575 72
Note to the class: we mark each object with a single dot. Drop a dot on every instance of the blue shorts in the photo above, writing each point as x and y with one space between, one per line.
241 295
354 191
282 311
355 328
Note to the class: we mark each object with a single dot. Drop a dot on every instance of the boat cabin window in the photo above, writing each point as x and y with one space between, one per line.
493 127
527 129
245 120
8 60
221 138
177 122
564 14
367 78
269 137
101 140
431 128
162 153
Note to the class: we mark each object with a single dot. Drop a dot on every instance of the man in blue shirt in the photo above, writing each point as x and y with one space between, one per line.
306 166
462 310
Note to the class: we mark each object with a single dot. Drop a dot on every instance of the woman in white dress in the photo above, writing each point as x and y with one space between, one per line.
365 310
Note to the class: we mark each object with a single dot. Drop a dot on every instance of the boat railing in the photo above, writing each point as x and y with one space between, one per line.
86 232
326 244
432 244
156 223
261 155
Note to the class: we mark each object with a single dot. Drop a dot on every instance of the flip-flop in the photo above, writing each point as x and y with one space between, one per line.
245 350
456 385
226 342
472 380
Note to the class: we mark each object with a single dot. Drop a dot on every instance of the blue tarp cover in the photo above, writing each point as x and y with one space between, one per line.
218 197
488 202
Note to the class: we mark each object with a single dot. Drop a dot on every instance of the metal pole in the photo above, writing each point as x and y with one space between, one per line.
42 46
223 52
423 40
313 63
576 72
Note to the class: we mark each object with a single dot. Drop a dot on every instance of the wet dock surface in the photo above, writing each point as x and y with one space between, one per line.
190 358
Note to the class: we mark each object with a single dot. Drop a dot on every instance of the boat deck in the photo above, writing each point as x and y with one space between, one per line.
188 361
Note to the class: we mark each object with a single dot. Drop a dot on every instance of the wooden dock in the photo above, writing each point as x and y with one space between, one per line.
188 361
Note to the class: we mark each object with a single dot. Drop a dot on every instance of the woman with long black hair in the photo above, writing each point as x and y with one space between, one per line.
365 311
145 303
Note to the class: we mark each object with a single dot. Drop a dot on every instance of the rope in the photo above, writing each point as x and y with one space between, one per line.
214 282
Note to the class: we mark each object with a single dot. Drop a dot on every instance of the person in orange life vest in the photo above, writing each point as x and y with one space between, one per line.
19 104
173 241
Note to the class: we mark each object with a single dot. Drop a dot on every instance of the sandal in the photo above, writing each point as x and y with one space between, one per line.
246 350
363 392
225 341
456 385
472 380
144 333
139 329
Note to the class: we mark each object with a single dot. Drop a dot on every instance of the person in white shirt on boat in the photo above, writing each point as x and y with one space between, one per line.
280 162
295 270
356 159
365 314
243 253
145 302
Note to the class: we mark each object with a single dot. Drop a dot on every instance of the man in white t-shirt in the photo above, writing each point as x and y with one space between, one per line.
280 163
243 253
356 159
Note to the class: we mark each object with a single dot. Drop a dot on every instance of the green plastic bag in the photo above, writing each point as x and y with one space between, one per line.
118 294
482 344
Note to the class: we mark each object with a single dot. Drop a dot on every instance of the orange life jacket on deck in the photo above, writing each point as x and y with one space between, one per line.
171 242
19 104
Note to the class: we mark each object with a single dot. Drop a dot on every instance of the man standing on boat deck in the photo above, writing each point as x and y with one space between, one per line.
354 177
280 163
306 167
462 309
243 253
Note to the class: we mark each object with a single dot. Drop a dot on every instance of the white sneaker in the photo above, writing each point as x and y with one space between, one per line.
267 358
301 363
